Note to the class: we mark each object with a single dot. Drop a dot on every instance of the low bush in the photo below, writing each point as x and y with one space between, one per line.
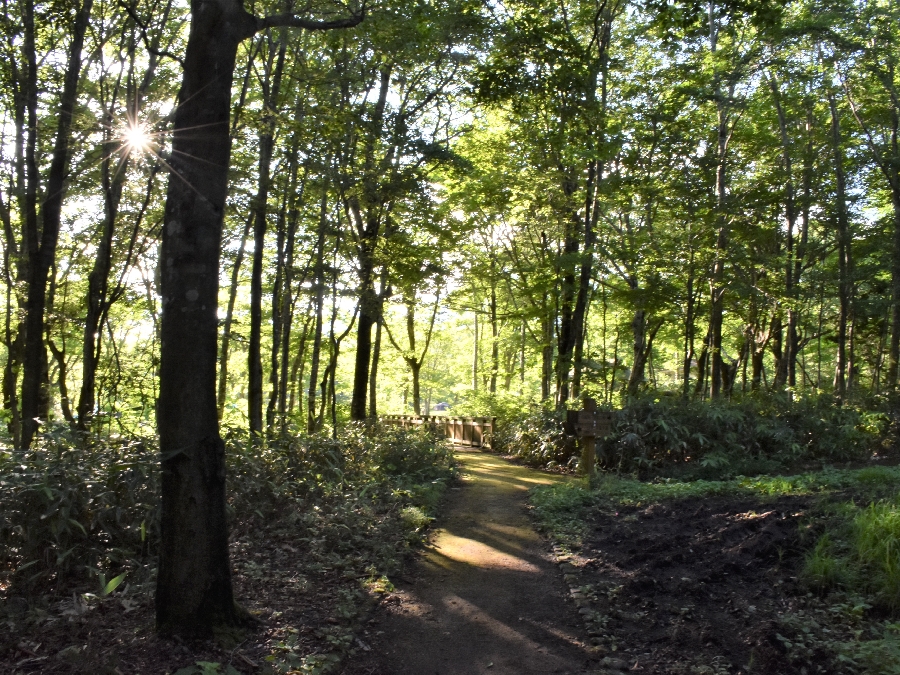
676 437
72 509
75 511
538 439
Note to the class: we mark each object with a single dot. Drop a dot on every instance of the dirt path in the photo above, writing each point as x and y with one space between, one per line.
485 597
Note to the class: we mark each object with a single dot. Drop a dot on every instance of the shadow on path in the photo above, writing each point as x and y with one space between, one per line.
485 597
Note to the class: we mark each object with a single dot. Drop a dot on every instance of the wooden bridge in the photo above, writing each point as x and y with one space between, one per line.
474 432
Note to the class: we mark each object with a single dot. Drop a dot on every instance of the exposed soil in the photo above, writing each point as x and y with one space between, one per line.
693 586
698 586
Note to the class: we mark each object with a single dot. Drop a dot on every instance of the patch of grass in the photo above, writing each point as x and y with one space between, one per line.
561 511
860 553
877 544
823 568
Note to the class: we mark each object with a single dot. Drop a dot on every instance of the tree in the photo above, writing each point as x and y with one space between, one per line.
551 67
194 591
41 244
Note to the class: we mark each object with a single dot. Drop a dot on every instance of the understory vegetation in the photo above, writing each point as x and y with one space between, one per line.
671 436
80 518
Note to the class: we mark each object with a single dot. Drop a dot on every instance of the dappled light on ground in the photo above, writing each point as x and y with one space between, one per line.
485 597
475 614
478 554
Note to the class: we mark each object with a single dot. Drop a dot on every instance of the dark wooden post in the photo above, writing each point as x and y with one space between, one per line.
588 425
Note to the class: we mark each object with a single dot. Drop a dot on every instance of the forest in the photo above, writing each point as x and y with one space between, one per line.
237 233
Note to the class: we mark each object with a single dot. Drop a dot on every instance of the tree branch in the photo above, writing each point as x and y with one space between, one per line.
295 21
147 43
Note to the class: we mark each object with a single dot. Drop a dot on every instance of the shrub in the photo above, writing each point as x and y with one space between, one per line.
72 508
763 432
76 510
672 436
537 438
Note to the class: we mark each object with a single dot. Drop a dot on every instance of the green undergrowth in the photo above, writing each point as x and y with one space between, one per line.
672 437
859 552
80 518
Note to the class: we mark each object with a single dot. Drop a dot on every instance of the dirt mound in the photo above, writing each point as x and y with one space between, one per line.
691 586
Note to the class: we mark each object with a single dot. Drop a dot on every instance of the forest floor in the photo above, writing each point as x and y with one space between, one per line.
693 586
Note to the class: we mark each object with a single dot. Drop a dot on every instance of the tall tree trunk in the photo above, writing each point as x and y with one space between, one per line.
894 348
229 320
368 317
12 336
271 90
567 318
475 356
367 217
43 256
318 289
495 335
638 360
194 591
279 314
383 293
845 280
288 307
785 373
546 355
717 281
689 329
297 374
98 283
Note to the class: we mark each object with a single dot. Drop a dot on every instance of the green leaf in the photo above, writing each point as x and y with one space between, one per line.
113 584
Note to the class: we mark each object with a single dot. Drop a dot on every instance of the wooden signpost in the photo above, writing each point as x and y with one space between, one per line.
588 425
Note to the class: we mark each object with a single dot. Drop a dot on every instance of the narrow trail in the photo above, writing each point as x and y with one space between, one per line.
485 597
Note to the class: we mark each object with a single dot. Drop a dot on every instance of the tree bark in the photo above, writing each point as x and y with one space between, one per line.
383 293
271 89
318 289
786 370
366 215
98 285
193 590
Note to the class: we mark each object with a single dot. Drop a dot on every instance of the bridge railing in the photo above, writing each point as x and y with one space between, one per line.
473 432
